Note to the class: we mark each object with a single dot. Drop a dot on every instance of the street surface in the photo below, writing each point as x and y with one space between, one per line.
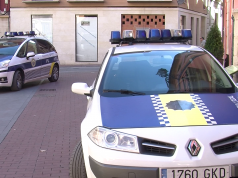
40 125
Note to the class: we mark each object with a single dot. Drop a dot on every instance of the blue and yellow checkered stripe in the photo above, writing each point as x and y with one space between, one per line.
204 110
199 115
160 111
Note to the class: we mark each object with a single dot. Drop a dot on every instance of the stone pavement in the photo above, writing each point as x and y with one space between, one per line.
40 142
12 104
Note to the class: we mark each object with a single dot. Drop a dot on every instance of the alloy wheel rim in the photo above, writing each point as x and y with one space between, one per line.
55 73
19 81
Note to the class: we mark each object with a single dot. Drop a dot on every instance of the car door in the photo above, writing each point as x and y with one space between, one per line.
31 65
48 55
34 63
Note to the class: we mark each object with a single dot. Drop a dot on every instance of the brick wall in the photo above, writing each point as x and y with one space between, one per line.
134 21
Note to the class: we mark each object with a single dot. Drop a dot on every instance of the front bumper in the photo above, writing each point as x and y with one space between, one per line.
111 171
6 78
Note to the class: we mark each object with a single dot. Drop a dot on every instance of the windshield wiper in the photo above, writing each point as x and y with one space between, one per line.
128 92
178 91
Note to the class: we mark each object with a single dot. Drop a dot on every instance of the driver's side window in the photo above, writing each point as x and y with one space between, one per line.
22 52
31 47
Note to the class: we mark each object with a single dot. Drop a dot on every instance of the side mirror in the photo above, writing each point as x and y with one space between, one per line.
81 88
30 54
231 69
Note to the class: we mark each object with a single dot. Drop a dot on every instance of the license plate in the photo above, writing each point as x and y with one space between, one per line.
202 172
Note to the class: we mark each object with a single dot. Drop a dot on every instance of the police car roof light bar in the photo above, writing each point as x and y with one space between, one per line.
20 33
166 34
32 33
176 34
187 33
29 33
140 35
155 36
128 35
7 33
12 34
115 37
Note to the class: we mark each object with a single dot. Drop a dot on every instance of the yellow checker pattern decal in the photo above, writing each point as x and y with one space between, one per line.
181 110
182 117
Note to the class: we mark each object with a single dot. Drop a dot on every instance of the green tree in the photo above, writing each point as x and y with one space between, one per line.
214 42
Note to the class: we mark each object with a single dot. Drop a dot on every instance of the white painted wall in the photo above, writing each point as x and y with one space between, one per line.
196 29
109 19
3 24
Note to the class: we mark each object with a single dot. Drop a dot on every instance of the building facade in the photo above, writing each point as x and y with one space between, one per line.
4 16
80 29
235 32
230 33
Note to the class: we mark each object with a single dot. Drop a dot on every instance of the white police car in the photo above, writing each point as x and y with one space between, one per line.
25 57
159 108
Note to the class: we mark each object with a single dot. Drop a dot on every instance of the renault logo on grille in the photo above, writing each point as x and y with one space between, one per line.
194 147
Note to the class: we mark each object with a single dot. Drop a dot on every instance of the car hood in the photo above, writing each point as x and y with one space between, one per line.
5 57
167 110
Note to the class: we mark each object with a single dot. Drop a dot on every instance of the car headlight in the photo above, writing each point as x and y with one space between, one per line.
4 63
110 139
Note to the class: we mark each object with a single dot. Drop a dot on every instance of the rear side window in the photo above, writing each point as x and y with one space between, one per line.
44 46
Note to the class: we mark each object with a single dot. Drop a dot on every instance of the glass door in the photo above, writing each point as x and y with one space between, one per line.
86 38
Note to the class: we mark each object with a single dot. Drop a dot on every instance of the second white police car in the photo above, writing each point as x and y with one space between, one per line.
158 110
25 57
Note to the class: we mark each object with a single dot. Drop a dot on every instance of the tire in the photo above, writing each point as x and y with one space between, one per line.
55 74
77 165
17 81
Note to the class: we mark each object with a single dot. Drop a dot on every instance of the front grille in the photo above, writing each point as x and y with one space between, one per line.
157 148
226 145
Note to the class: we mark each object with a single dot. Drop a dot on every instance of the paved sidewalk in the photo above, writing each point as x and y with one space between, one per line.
12 105
40 143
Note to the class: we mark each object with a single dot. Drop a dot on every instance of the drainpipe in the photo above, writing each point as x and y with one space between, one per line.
232 47
9 23
223 22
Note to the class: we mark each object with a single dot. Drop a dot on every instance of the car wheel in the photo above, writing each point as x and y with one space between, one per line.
17 81
55 74
77 166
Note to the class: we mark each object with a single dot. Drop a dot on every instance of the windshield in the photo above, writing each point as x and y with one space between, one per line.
160 72
9 46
